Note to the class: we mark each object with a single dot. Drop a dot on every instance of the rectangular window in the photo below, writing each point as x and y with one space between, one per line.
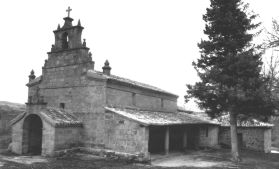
206 132
162 103
62 105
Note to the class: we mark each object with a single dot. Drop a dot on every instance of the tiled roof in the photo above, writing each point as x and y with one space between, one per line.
159 118
131 82
60 118
225 121
54 116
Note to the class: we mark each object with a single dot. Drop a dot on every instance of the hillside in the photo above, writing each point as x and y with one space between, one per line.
9 106
8 111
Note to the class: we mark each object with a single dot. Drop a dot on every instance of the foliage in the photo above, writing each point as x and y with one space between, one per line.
230 65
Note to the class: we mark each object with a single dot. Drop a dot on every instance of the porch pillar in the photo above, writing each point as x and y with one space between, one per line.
185 139
167 140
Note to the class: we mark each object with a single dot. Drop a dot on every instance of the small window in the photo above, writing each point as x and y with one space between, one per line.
62 105
162 103
134 99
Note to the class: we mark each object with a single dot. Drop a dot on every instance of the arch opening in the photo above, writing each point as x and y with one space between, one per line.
65 40
32 135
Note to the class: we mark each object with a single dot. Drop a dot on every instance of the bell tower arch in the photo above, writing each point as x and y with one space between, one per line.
69 36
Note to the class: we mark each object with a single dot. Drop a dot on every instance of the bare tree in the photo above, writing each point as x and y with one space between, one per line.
271 70
273 35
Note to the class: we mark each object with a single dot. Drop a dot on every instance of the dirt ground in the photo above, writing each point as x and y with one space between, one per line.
211 159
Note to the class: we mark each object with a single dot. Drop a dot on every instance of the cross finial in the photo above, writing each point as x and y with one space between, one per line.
69 10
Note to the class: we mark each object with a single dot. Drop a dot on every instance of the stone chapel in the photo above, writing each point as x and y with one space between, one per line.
72 105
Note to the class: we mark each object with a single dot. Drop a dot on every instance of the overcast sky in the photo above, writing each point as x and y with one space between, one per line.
151 41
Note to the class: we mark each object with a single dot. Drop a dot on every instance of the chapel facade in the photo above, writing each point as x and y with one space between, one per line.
73 105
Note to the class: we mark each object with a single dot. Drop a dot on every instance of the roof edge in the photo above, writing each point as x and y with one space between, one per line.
108 109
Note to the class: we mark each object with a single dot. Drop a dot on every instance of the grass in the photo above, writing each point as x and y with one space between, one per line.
251 160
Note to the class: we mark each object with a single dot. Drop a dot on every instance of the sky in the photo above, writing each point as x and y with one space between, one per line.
150 41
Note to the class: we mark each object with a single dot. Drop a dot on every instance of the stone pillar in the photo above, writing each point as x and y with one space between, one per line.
167 140
267 141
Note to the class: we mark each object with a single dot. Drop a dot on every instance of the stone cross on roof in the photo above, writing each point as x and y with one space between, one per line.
69 10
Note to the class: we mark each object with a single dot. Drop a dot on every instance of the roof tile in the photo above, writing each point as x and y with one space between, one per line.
131 82
159 118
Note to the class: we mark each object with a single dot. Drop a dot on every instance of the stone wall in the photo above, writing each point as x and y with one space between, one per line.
5 129
121 96
253 138
65 83
93 133
125 135
19 145
66 138
48 139
17 132
275 130
208 135
267 141
53 138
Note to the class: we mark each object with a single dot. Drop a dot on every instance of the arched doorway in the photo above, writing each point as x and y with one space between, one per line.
32 135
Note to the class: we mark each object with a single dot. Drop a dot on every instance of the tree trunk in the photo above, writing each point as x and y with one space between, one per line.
234 141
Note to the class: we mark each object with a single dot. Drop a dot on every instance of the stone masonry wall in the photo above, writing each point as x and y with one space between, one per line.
120 97
66 138
275 131
125 135
5 129
209 135
17 132
48 139
65 82
19 145
87 104
253 138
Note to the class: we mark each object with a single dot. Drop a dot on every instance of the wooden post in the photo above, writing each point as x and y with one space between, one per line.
167 140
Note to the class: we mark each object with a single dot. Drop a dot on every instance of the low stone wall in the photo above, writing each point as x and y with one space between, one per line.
275 130
253 138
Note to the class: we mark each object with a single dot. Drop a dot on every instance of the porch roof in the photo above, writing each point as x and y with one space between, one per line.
159 118
60 117
56 117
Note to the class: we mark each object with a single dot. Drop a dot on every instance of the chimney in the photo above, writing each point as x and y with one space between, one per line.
106 68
